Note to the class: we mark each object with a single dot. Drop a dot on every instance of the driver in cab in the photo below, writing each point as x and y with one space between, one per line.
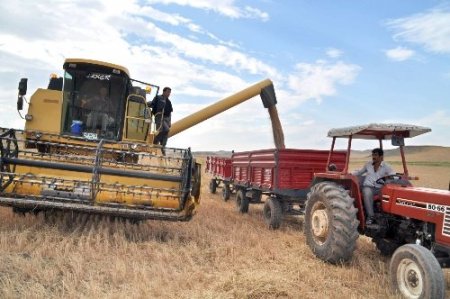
100 110
373 170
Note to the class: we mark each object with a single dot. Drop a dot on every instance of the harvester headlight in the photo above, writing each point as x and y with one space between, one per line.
133 146
38 135
148 89
28 116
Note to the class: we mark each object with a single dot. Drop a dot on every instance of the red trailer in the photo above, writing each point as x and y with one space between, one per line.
220 169
285 175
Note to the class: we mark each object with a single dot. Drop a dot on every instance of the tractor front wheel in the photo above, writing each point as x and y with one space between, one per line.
330 223
416 273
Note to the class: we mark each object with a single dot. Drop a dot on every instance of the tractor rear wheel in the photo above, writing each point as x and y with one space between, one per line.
273 214
242 202
212 186
416 273
226 192
330 223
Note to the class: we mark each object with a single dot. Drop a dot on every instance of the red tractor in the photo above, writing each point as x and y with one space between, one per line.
413 223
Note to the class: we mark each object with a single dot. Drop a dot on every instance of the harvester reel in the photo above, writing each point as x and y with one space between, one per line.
95 172
8 149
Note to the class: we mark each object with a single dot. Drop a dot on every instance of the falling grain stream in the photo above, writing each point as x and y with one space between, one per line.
277 129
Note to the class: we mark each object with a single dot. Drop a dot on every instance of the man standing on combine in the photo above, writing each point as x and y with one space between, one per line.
162 110
373 171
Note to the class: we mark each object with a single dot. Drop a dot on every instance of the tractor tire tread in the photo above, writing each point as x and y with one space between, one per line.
341 240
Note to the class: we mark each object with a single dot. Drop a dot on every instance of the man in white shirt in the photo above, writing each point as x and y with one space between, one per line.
373 170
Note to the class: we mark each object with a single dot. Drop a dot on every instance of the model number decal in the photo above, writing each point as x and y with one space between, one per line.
406 203
436 208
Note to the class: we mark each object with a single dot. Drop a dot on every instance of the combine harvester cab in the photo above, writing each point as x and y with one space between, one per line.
88 147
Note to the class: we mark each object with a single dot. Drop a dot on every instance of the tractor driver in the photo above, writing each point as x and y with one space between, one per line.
373 171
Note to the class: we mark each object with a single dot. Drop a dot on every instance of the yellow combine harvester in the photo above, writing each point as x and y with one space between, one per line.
99 158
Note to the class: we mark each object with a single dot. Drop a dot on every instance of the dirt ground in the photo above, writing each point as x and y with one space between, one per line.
218 254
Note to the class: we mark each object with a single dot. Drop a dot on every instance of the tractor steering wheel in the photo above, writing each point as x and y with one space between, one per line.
387 178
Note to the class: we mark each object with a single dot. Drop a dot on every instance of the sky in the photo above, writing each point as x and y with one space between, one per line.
333 63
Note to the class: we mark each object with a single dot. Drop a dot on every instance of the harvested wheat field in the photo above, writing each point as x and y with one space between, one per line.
218 254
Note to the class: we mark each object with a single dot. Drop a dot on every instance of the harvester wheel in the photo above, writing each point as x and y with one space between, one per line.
273 214
330 223
242 202
416 273
212 186
226 192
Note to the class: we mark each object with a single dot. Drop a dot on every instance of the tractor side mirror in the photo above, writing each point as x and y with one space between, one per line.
22 91
397 140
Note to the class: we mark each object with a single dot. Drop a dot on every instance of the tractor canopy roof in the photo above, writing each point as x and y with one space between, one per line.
379 131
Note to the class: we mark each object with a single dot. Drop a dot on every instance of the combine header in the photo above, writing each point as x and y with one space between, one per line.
95 180
88 147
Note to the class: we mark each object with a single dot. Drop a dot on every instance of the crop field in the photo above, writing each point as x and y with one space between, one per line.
218 254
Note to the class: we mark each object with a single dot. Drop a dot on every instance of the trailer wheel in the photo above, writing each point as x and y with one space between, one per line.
226 192
416 273
212 186
273 214
330 223
242 202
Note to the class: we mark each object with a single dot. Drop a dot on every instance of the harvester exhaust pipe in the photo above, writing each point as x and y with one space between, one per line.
264 88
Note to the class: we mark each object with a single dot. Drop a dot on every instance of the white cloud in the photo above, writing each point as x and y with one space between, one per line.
224 7
439 117
106 27
214 53
430 29
399 54
35 41
438 121
334 53
314 81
